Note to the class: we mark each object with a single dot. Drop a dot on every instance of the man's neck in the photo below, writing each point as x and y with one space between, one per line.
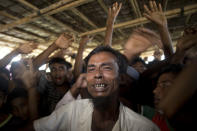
105 118
109 113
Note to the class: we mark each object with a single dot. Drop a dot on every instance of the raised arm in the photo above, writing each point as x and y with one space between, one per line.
185 43
140 40
63 41
79 58
157 16
28 77
184 87
112 14
23 49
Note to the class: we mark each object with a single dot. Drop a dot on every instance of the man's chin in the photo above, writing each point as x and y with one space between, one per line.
59 83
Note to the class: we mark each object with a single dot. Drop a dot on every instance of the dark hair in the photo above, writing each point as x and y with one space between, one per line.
60 61
172 68
4 85
137 59
121 59
15 93
5 71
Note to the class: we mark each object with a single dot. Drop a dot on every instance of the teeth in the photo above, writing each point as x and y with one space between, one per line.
99 85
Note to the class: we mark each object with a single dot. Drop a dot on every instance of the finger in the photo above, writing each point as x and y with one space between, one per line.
109 12
147 16
116 5
80 79
84 84
113 6
147 9
151 6
119 7
155 6
84 81
160 8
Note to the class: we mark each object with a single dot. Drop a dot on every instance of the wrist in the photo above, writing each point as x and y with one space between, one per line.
162 26
82 45
54 46
110 22
74 91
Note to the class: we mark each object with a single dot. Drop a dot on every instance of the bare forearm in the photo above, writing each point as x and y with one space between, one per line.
79 62
181 91
40 59
33 103
6 60
75 91
166 40
109 34
177 57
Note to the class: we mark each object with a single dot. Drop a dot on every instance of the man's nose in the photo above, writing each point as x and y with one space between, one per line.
157 90
98 74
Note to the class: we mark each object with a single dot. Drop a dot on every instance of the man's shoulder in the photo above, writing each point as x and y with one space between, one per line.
72 113
81 104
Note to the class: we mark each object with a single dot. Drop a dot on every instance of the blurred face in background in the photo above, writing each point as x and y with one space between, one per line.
139 66
58 73
19 107
163 84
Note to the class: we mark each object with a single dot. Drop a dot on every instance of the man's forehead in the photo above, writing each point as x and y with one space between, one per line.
58 65
102 57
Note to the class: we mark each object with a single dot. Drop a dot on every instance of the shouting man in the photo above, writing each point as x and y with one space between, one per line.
103 112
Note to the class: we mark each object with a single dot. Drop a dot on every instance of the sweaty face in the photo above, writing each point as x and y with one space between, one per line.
20 108
58 73
102 75
163 84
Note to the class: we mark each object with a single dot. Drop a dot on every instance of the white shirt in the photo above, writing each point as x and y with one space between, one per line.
77 116
68 97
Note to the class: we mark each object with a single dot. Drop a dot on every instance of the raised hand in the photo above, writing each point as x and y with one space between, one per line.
185 43
78 85
188 40
113 12
28 76
85 39
140 40
155 13
27 48
81 81
64 41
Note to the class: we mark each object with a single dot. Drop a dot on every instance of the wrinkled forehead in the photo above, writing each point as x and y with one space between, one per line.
102 57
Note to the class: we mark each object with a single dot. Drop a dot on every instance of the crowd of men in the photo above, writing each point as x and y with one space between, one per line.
108 90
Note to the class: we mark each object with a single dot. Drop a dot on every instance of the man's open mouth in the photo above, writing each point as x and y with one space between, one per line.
100 87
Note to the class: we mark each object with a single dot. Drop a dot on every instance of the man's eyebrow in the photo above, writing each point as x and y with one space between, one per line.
91 65
107 64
